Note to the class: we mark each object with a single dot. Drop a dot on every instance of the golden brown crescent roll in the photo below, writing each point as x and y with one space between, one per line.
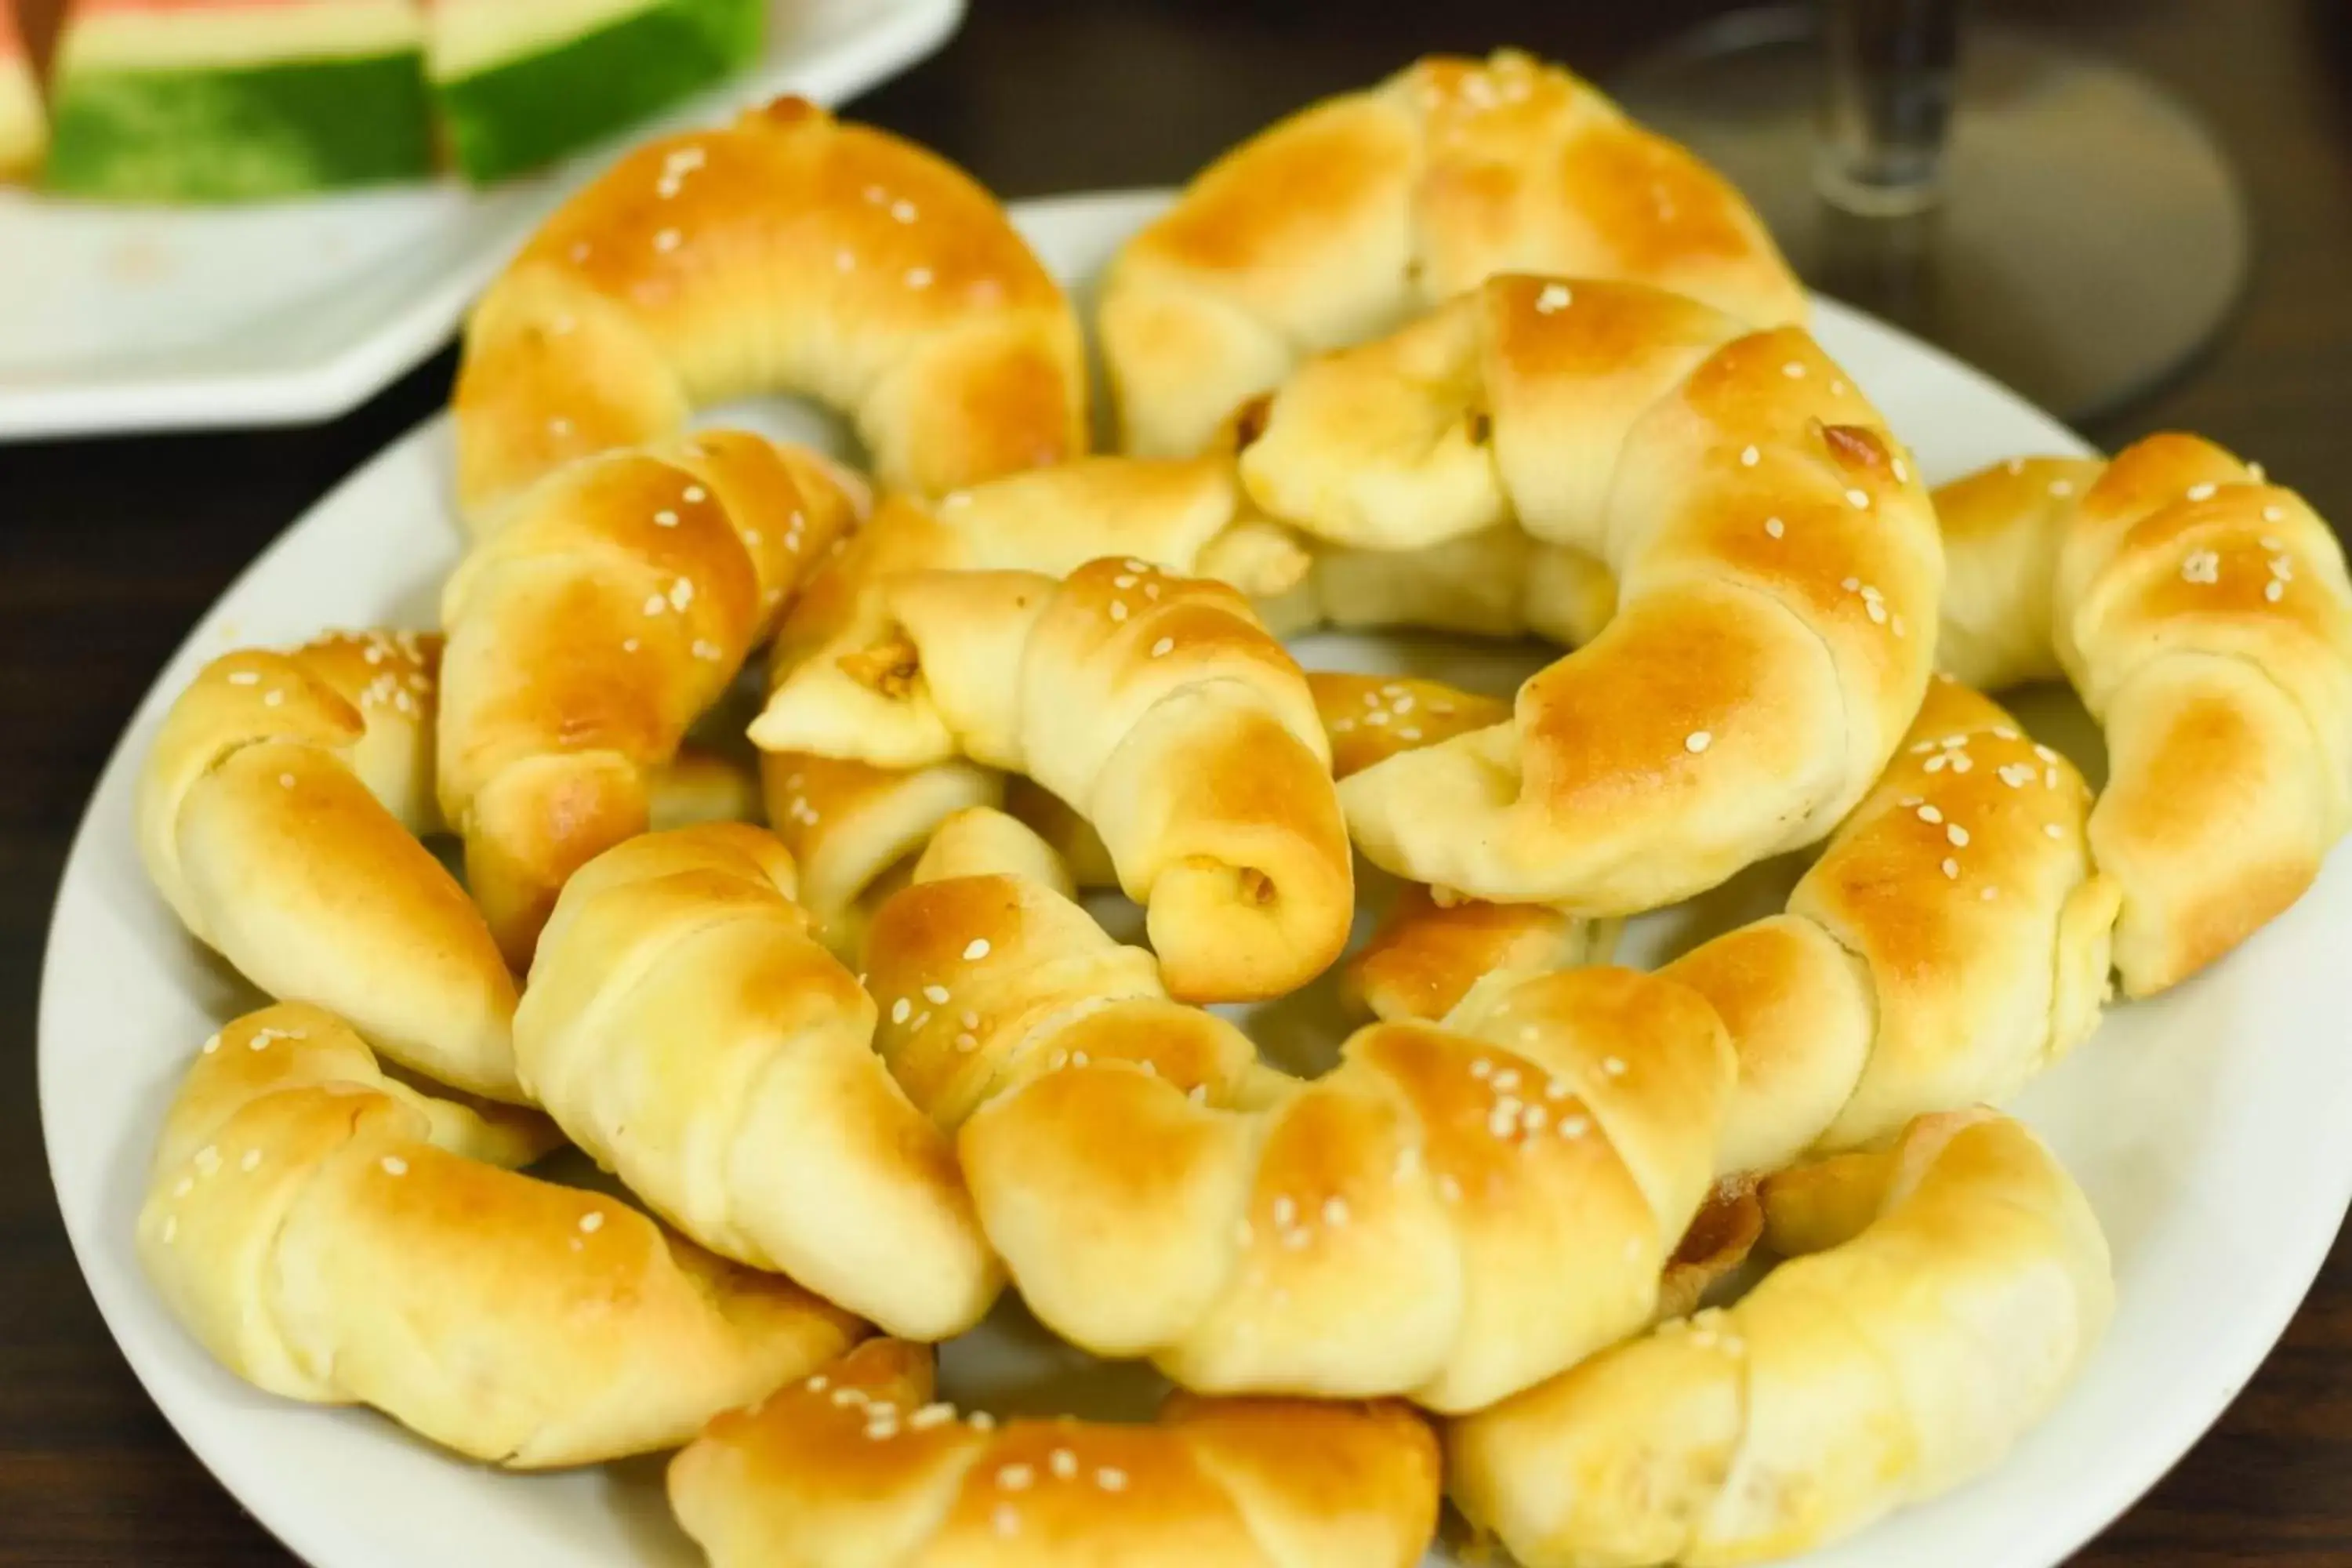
1776 563
1426 954
1950 942
2204 617
787 252
1159 708
1500 582
1337 222
1952 1285
617 604
330 1237
860 1467
683 1026
1451 1214
279 814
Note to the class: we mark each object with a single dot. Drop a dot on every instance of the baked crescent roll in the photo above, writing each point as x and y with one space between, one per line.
615 606
1775 559
1333 223
2204 616
787 252
683 1026
1158 707
279 814
860 1467
1943 1292
331 1235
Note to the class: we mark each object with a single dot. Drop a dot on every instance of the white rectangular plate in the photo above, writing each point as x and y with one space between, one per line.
117 318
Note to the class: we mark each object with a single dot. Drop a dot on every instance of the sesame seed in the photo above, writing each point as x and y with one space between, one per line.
971 1019
2283 568
1377 720
2002 732
393 1165
2273 590
1008 1523
2016 775
1297 1240
845 260
1851 584
980 1421
2256 472
1335 1211
2201 567
1449 1189
875 196
919 277
1503 1118
2044 753
212 1045
1613 1066
656 603
1110 1479
667 240
1533 1118
183 1186
681 593
1285 1211
1951 869
591 1222
1902 472
2061 488
1750 456
667 187
664 518
285 781
931 1415
1481 1068
251 1160
559 427
1876 610
974 952
1163 647
1198 1094
711 652
629 645
1118 609
1698 741
817 1384
1775 527
171 1228
967 1041
2273 514
2050 778
1557 1089
1507 1080
1961 762
1958 835
246 676
902 211
1015 1478
899 1009
1554 297
1897 621
2015 464
1858 500
1990 893
1063 1463
1410 732
2203 492
844 1397
1930 814
1794 370
2052 830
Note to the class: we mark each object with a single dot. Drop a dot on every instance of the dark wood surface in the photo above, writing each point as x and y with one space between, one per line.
109 551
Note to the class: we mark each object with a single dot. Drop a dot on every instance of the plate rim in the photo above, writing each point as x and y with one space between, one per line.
2154 1449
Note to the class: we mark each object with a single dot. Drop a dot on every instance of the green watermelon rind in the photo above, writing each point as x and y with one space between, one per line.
528 111
246 134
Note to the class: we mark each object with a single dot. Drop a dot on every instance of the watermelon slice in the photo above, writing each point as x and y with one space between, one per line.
237 99
23 133
522 82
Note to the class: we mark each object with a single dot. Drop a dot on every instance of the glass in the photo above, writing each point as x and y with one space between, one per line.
2062 223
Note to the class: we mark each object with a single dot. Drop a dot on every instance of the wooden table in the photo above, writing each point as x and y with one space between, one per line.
109 549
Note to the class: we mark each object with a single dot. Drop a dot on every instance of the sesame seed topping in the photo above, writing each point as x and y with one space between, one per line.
1165 646
212 1045
591 1222
1335 1211
2016 775
2274 591
2061 488
2051 831
1958 835
2050 778
1507 1080
936 995
1063 1463
2044 753
845 260
1554 297
2202 492
980 1421
1990 893
1111 1478
171 1228
1876 610
845 1397
1750 456
1775 527
1008 1523
1449 1189
707 650
1698 741
183 1186
248 678
971 1019
2273 514
1613 1066
252 1160
1198 1094
1902 472
1377 720
899 1009
1503 1118
1951 869
681 593
1481 1068
1851 584
664 518
919 277
931 1415
656 603
1929 814
629 645
667 240
1285 1211
1118 609
1858 500
2201 567
1015 1478
967 1041
1793 370
285 781
393 1165
2015 464
902 211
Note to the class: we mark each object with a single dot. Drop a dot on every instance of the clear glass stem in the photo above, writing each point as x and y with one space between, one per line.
1888 103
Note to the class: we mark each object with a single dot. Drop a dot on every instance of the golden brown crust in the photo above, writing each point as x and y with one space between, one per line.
860 1465
614 608
786 252
685 1029
305 1223
277 815
1851 1383
1775 561
2205 618
1329 226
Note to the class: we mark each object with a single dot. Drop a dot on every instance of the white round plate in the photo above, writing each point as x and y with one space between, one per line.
116 317
2207 1127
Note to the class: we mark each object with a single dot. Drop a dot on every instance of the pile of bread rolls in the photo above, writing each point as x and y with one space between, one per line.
1465 351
